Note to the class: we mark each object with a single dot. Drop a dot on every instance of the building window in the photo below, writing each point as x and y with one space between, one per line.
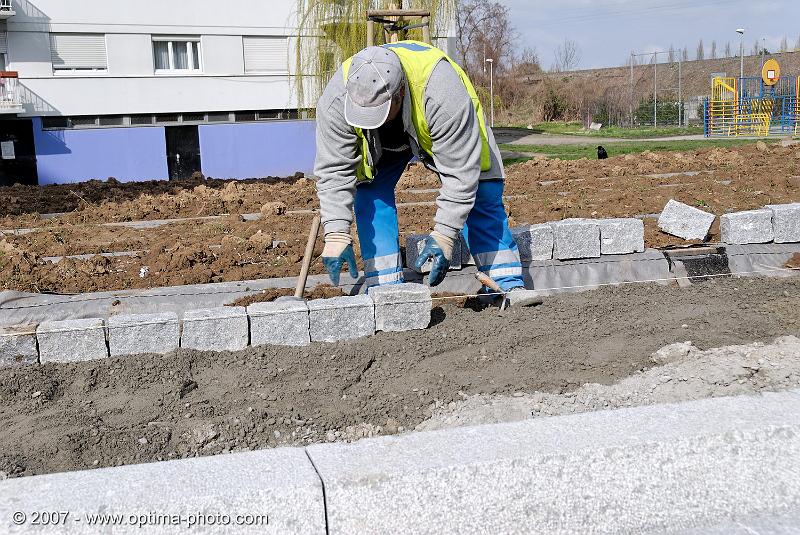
267 55
177 54
78 52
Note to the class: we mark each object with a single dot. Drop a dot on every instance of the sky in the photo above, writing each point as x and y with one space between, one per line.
607 31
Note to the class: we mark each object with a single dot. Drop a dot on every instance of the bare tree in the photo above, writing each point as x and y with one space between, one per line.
484 31
728 49
685 54
797 45
671 54
713 50
567 56
784 44
701 51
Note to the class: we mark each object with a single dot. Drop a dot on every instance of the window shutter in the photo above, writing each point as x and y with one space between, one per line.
78 51
266 54
3 42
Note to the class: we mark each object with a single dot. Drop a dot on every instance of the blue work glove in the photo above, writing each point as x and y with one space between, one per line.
338 250
438 249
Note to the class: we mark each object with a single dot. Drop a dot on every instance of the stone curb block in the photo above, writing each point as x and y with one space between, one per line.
414 245
636 470
401 307
137 334
341 318
576 238
280 483
216 329
18 345
751 226
621 235
685 221
535 242
786 222
280 323
71 340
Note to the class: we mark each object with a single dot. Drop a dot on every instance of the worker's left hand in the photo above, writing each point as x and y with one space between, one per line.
439 250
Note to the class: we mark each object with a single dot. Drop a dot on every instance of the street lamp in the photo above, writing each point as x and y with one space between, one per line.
740 31
491 86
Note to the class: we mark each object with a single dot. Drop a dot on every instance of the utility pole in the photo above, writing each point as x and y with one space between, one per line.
655 90
490 61
631 88
680 92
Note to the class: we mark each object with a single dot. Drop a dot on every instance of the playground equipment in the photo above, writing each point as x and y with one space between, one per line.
764 106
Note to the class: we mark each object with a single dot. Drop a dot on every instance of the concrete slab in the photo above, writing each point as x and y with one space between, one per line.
274 491
535 242
685 221
341 318
137 334
751 226
18 345
786 222
401 307
621 236
216 329
625 471
71 340
576 238
280 323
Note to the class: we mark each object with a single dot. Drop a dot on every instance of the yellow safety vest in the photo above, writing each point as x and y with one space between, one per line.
418 61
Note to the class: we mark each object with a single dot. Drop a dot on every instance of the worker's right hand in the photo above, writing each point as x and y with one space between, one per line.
338 250
438 249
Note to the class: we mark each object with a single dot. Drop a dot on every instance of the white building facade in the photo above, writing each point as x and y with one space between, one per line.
147 90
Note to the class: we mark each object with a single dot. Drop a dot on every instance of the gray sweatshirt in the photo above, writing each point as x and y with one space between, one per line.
456 151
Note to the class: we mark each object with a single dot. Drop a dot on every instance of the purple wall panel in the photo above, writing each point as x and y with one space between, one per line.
248 150
128 154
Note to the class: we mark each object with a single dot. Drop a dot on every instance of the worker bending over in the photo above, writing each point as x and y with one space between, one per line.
384 106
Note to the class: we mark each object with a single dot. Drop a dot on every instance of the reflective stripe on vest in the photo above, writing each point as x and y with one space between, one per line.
418 61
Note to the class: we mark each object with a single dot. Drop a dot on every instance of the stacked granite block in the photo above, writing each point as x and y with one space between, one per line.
535 242
18 345
281 323
621 236
71 340
341 318
401 307
785 222
216 329
576 238
136 334
752 226
685 221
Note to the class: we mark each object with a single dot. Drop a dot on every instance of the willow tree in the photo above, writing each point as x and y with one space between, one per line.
330 31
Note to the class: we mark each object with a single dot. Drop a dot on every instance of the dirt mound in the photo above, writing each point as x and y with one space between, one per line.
323 291
141 409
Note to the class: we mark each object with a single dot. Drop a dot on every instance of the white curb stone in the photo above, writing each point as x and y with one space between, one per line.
647 469
535 242
752 226
685 221
576 238
401 307
272 491
71 340
786 222
621 236
416 242
280 323
341 318
137 334
216 329
18 345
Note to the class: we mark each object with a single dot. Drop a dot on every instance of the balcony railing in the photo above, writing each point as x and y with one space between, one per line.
9 92
6 10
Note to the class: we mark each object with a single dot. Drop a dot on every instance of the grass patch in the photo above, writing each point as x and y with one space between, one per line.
576 152
576 129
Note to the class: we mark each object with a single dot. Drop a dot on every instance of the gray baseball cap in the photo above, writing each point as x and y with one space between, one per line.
375 76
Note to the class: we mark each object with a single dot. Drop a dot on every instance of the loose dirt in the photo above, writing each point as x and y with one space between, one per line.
229 248
141 409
